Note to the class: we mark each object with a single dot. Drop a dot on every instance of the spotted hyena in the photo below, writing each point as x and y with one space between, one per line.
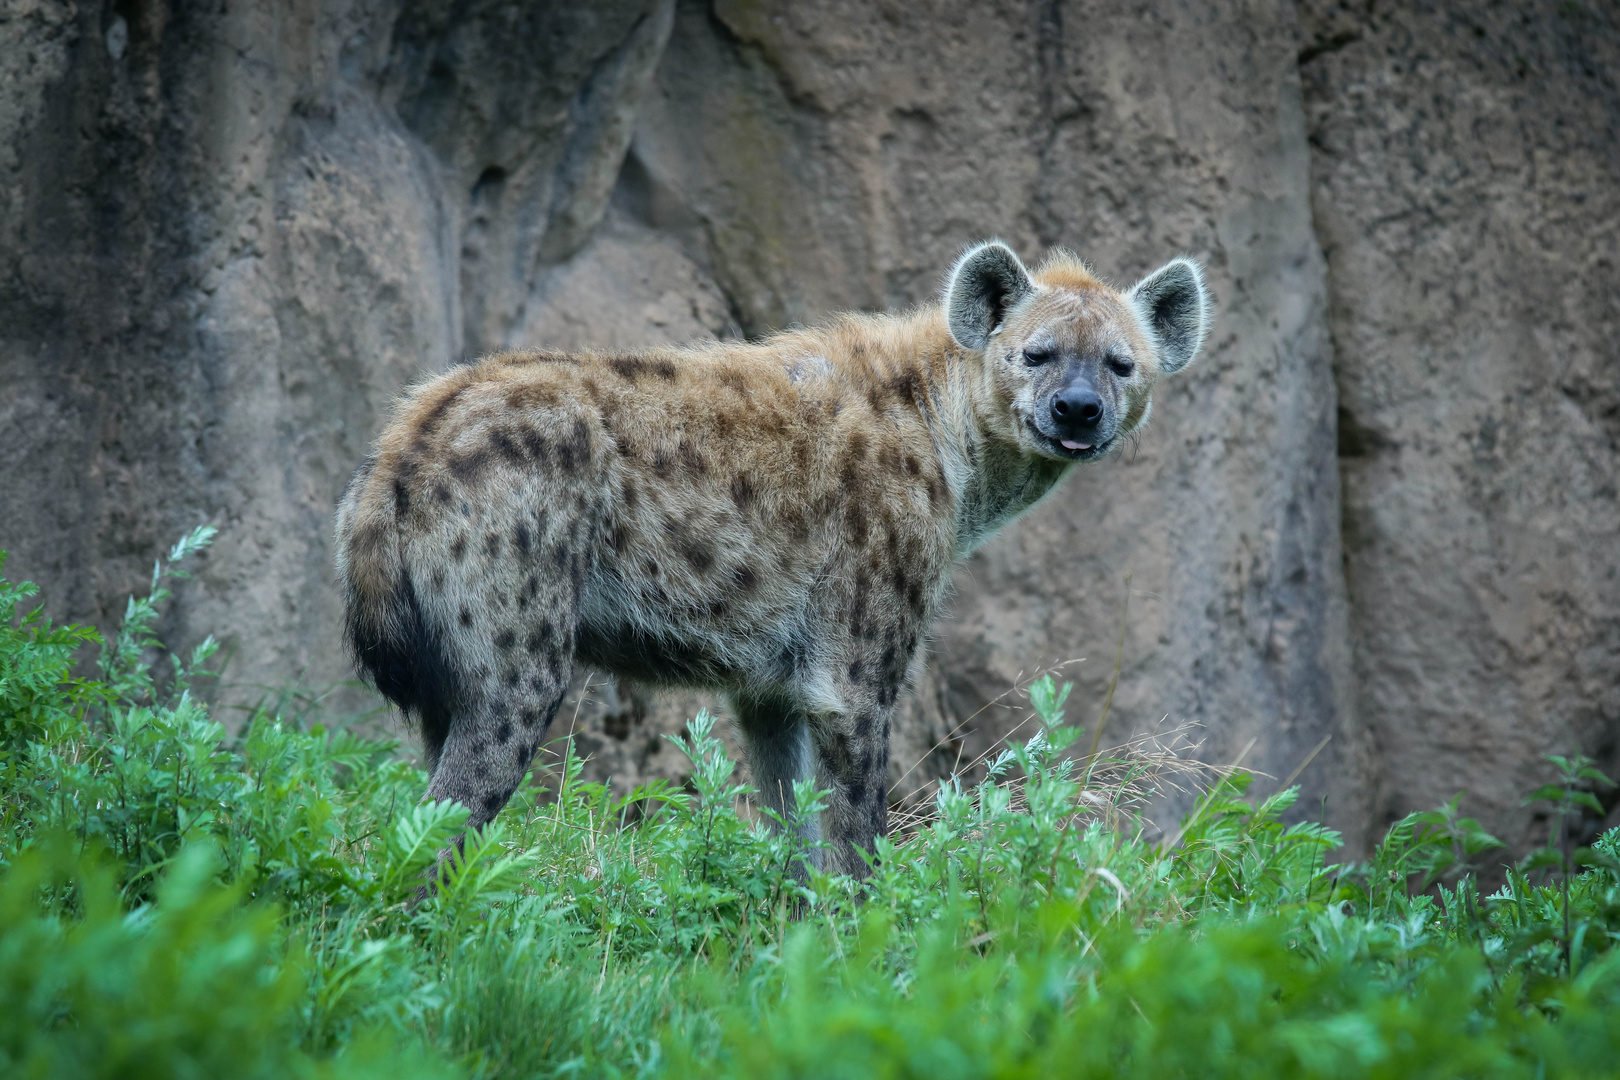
775 520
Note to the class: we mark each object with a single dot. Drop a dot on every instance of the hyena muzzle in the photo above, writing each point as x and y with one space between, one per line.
776 521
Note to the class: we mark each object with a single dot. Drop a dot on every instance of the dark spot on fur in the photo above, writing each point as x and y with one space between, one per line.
458 550
717 609
520 536
855 672
441 493
402 499
629 494
505 639
492 545
507 447
503 734
742 492
842 760
471 465
575 452
465 617
857 612
438 580
858 526
431 418
699 554
913 466
857 793
863 726
492 803
906 386
534 444
629 368
367 541
745 577
734 381
849 477
530 718
618 539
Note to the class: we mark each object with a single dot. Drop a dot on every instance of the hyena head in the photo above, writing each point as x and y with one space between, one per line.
1070 361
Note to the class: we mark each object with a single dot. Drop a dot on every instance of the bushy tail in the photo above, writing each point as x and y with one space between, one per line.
396 644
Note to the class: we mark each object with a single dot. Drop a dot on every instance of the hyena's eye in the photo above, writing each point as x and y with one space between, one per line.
1037 355
1120 365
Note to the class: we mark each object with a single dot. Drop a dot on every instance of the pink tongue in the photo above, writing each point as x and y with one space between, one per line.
1070 444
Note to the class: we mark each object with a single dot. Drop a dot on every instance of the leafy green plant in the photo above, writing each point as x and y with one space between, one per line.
1568 797
185 900
194 984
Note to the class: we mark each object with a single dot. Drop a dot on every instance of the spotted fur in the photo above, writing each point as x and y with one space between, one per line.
776 521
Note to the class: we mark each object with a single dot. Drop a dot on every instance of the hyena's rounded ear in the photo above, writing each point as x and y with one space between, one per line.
1174 305
986 283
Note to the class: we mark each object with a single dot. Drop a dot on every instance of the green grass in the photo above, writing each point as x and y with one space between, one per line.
180 901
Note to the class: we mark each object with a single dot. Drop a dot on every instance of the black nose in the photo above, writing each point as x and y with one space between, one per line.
1076 405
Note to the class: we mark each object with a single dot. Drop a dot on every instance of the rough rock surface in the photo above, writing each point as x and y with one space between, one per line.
228 236
1466 180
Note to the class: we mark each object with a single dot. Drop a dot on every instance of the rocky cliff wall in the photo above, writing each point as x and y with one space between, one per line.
1466 185
229 235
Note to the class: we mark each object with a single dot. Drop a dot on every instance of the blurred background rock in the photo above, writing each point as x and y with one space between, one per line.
1383 508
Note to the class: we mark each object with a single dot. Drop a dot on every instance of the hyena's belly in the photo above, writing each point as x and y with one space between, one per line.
661 659
634 624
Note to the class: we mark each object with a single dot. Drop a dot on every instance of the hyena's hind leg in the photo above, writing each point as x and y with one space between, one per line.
513 645
776 738
488 746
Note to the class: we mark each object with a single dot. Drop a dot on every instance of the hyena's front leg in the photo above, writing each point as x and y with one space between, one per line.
852 763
